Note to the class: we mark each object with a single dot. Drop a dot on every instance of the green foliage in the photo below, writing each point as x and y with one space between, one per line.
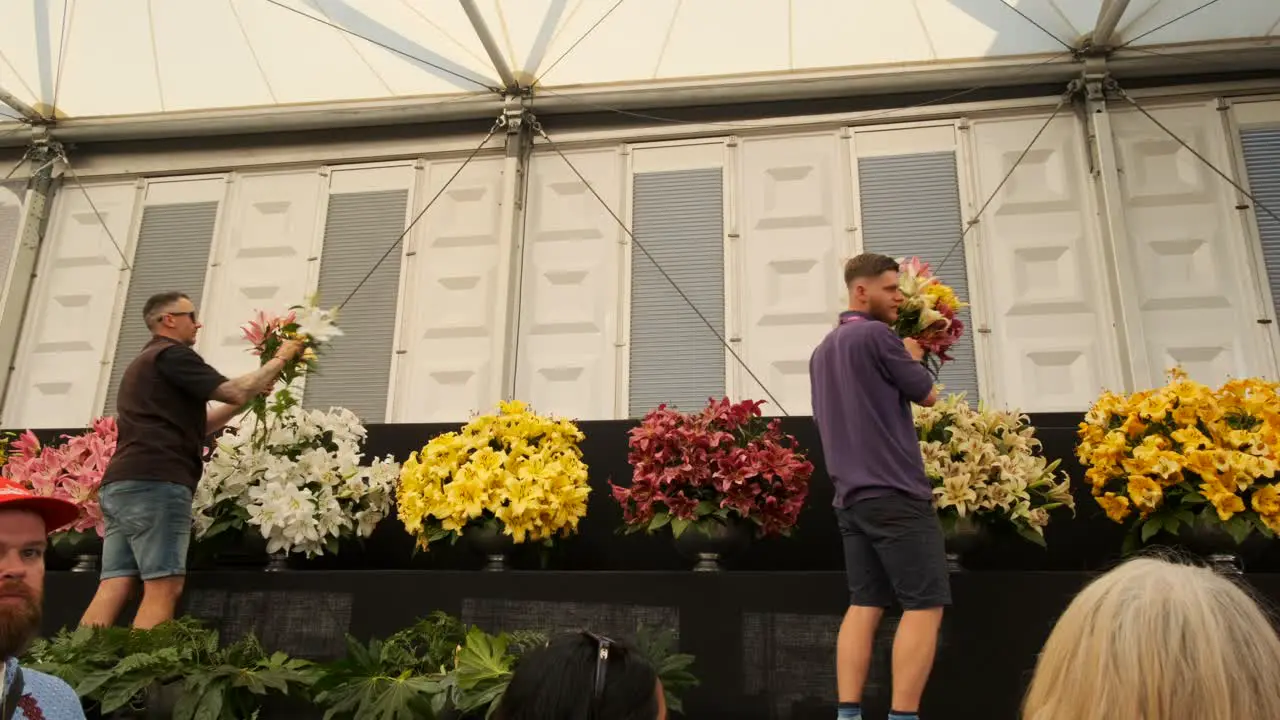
659 648
433 666
115 668
401 677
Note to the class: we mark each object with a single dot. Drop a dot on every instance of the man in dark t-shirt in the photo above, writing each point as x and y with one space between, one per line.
163 415
864 379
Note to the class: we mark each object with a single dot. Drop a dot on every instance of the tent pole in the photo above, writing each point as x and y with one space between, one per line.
24 109
41 187
515 196
490 44
1109 16
1135 365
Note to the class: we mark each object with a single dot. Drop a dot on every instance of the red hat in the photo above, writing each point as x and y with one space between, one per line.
56 513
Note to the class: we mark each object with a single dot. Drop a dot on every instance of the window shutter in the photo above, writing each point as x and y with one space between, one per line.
10 218
675 359
355 371
911 208
1262 162
172 254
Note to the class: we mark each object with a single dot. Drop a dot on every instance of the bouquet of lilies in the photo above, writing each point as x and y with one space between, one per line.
307 323
70 471
929 312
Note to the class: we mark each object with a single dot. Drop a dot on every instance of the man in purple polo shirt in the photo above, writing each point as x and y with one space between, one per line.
864 379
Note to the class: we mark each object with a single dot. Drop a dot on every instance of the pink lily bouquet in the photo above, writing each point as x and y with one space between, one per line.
308 323
928 312
71 471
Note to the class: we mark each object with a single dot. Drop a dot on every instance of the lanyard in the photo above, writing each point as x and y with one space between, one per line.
12 696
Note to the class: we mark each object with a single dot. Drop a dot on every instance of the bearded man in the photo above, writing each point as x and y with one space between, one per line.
25 523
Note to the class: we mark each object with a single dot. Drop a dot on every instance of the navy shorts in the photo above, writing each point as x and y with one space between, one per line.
148 529
893 550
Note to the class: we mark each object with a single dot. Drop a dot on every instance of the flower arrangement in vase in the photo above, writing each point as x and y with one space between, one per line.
717 472
1186 456
503 479
71 471
928 312
294 476
987 471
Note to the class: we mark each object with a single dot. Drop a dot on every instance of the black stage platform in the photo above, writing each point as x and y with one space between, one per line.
763 633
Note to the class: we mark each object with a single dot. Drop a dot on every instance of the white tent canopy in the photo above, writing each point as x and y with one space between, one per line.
84 59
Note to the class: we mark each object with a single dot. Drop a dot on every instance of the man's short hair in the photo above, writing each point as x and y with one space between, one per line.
152 309
868 265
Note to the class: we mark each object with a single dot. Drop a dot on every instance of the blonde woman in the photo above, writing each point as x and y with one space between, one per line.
1158 640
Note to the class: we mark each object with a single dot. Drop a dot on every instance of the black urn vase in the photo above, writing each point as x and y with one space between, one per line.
961 537
710 541
488 539
83 549
1213 544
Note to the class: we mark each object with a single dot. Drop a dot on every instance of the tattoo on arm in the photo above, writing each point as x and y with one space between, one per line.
241 390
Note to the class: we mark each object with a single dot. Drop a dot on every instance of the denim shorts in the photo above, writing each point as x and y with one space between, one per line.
148 529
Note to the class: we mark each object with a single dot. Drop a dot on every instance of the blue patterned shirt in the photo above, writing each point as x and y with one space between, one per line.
44 697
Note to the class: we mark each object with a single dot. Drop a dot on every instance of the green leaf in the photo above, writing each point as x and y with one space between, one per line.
210 706
1150 528
185 708
706 507
1132 543
120 694
659 521
1239 528
1193 497
1033 536
93 681
678 526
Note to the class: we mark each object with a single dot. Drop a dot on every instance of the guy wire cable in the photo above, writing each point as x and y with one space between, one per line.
537 128
500 122
1113 85
21 160
1062 101
1158 28
385 46
101 221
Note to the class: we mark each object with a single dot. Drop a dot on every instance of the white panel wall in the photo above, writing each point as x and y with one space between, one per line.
1052 346
265 258
567 359
451 348
68 329
1191 273
792 244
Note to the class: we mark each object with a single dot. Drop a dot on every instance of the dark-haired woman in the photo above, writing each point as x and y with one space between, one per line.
583 676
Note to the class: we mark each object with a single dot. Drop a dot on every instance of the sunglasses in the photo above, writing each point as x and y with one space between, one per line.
603 645
191 315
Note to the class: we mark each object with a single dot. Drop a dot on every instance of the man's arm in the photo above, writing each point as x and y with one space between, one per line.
219 415
905 372
239 391
184 368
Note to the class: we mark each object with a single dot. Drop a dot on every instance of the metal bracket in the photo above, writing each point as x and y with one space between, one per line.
515 111
1095 79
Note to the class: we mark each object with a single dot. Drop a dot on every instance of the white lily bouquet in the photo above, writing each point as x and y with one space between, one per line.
985 465
296 476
